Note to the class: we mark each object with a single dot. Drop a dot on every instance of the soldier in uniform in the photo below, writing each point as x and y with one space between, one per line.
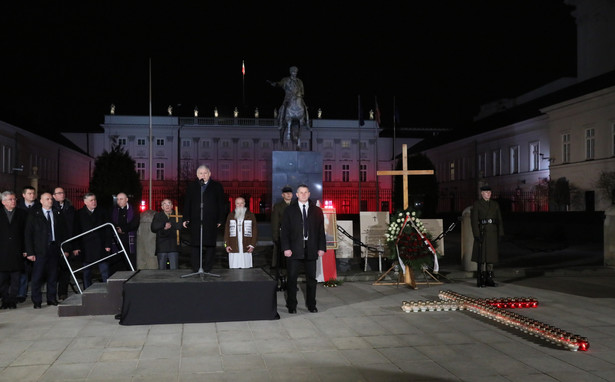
487 229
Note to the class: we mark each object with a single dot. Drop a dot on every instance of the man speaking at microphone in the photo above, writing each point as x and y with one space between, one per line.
214 212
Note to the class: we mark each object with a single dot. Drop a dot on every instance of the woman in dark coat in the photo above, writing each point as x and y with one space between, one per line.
487 229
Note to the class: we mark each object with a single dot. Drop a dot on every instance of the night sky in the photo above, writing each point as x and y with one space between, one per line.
63 65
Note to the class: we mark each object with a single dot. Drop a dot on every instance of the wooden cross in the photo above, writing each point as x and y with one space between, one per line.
176 216
409 276
405 172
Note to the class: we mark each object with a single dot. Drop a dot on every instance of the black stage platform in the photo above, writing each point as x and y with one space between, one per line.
165 297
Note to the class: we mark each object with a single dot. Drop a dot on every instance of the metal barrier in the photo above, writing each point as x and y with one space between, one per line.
119 242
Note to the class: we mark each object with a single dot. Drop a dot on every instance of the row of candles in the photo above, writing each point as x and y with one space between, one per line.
493 309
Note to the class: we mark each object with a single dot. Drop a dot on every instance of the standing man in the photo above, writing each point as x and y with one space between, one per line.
95 245
166 230
240 235
125 218
27 203
45 230
277 260
302 238
66 208
487 229
213 211
12 249
28 199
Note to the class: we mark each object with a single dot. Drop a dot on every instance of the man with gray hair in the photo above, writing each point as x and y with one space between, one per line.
12 249
204 212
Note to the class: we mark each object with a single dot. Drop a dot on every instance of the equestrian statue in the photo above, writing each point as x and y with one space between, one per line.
293 114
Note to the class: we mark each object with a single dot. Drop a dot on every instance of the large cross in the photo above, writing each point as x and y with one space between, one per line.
405 172
494 309
176 216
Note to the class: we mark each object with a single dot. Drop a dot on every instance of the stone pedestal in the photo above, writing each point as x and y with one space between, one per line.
609 236
467 241
146 242
292 168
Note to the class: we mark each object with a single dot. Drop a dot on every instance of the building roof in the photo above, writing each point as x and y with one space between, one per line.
518 113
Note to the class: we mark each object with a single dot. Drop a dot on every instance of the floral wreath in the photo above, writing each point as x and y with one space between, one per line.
409 241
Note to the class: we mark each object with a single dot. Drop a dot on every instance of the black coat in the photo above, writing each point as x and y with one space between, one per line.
214 211
291 234
166 239
36 237
492 232
12 245
68 211
92 245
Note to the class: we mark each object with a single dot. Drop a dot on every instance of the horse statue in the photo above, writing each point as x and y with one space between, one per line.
293 114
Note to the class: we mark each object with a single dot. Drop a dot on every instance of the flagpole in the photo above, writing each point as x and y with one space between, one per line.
150 135
359 121
243 82
377 158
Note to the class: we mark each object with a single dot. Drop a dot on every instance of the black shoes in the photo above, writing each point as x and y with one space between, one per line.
292 310
52 302
313 310
489 279
37 306
62 297
21 299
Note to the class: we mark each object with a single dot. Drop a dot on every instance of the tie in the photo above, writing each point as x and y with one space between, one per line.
305 227
49 227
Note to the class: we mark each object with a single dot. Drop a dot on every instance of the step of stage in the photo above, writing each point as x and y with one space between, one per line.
98 299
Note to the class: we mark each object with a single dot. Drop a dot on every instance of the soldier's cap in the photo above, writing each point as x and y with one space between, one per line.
485 188
287 189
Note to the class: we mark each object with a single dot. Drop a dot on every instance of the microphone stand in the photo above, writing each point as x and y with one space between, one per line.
200 272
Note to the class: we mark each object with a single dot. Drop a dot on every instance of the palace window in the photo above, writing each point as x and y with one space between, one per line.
159 141
159 171
590 143
141 170
482 165
186 143
534 156
514 160
327 173
140 141
363 173
451 170
345 144
122 141
566 148
496 161
345 172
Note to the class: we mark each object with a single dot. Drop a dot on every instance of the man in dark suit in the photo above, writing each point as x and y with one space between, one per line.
26 203
46 229
214 213
302 238
95 245
64 205
12 249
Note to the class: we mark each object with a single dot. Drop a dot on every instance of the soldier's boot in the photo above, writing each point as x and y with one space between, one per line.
480 277
489 279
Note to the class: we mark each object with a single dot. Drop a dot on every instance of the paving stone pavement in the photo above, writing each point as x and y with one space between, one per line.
359 334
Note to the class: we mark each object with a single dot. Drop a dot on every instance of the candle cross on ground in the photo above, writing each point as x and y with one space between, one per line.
494 309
